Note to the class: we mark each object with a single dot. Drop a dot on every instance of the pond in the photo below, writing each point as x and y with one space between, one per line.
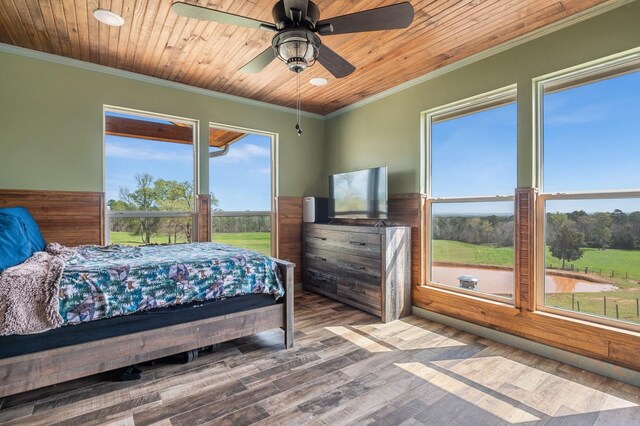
501 281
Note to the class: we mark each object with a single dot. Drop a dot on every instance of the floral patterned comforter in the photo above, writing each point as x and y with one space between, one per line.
102 282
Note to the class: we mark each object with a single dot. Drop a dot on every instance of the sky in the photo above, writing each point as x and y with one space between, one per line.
591 139
240 180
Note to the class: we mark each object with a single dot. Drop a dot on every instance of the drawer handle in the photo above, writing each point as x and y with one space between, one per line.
359 243
360 267
352 288
321 238
320 258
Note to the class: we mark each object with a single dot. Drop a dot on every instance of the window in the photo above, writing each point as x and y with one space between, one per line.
241 183
589 207
471 176
149 177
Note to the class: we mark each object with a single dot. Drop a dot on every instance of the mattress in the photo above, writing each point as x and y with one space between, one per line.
105 282
16 345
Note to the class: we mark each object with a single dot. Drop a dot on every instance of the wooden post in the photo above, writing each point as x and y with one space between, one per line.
573 301
605 305
617 312
578 306
637 307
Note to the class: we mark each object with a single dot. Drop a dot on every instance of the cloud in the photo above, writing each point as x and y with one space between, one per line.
243 154
145 153
579 115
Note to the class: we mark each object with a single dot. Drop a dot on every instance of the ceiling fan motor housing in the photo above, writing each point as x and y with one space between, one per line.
298 48
285 18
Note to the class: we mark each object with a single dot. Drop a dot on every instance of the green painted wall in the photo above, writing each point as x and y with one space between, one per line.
387 132
51 126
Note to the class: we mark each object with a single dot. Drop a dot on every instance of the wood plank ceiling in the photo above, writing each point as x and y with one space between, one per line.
156 42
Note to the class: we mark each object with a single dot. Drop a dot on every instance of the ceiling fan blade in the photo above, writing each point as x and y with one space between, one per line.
391 17
334 63
194 11
290 6
260 62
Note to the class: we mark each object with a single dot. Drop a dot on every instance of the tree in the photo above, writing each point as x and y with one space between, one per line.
143 198
565 242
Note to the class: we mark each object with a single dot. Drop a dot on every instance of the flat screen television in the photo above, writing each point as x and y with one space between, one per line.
358 195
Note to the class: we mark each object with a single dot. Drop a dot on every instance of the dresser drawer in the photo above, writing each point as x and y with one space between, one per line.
360 244
320 281
366 268
361 292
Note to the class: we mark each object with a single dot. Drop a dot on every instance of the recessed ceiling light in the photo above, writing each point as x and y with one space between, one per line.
108 17
318 81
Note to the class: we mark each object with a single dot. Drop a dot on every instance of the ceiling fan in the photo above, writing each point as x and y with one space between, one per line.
298 29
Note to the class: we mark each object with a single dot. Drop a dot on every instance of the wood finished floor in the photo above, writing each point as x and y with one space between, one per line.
347 368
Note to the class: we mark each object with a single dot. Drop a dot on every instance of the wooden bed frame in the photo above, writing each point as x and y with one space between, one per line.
72 218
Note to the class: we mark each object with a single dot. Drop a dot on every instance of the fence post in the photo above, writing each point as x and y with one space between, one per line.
637 307
586 269
617 313
573 301
612 274
605 305
578 306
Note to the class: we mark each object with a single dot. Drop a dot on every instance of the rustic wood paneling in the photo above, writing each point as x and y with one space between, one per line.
204 217
525 297
156 42
408 209
288 235
589 339
66 217
598 341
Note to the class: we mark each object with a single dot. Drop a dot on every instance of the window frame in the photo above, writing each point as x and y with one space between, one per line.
591 72
273 184
492 99
195 124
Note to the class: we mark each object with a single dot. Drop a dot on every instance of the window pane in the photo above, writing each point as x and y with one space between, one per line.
475 154
592 257
591 136
472 246
241 179
143 173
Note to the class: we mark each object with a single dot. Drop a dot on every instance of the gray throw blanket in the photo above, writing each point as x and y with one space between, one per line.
29 292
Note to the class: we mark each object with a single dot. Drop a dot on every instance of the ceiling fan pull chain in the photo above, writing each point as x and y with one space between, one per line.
298 115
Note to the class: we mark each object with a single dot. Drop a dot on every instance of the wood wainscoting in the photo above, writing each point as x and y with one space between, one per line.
69 217
203 212
288 232
603 342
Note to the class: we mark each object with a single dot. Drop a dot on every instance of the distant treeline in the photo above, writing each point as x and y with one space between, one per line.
617 230
494 230
227 224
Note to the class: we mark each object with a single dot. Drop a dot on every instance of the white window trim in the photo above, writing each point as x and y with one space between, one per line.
596 68
427 120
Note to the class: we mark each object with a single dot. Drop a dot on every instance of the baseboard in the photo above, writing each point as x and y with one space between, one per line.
580 361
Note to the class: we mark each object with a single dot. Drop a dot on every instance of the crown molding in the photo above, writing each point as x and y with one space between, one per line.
62 60
548 29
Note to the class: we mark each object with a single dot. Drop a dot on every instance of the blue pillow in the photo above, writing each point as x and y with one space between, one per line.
14 244
31 226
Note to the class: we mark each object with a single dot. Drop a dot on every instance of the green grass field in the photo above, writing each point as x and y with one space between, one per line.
622 262
258 241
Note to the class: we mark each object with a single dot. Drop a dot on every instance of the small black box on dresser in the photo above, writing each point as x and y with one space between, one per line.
368 267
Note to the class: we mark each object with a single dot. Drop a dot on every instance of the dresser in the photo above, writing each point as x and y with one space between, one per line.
368 267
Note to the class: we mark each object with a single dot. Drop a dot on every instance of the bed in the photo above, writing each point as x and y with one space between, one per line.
98 337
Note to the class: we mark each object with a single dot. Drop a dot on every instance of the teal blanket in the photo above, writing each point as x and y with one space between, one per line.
102 282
